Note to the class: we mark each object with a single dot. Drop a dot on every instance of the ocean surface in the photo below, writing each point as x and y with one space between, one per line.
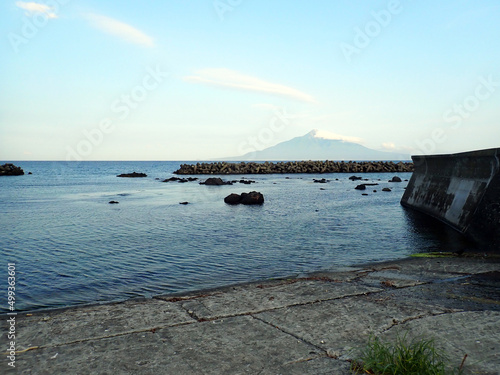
71 247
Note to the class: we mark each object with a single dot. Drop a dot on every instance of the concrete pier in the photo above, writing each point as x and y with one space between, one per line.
462 190
313 324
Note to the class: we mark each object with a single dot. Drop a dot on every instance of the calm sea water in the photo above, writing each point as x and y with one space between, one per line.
71 246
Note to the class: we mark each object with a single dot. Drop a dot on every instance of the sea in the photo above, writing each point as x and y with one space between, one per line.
70 246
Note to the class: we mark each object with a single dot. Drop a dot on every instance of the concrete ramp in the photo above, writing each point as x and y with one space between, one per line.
462 190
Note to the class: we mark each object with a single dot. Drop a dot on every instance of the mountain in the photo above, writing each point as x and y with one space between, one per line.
320 145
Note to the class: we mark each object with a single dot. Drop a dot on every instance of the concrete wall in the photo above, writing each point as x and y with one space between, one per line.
463 190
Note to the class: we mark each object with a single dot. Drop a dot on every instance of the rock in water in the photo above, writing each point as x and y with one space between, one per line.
253 197
395 179
10 170
215 181
360 187
386 189
133 174
232 199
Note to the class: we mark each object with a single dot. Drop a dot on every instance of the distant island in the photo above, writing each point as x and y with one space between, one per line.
318 145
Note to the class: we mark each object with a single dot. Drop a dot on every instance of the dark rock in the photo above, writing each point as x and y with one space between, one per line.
355 178
171 179
10 170
395 179
321 188
322 181
113 202
180 180
360 187
133 174
246 182
30 173
232 199
183 202
253 197
215 181
364 194
374 191
386 189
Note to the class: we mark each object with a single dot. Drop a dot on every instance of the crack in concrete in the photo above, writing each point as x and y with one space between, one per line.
412 318
323 351
150 330
247 313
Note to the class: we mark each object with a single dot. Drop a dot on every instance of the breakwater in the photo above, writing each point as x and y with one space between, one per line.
295 167
462 190
10 170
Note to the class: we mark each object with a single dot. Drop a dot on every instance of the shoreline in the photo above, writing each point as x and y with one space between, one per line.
296 276
296 325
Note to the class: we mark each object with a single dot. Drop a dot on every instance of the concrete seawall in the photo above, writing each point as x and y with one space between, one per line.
462 190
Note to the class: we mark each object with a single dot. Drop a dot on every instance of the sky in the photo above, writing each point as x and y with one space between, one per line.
208 79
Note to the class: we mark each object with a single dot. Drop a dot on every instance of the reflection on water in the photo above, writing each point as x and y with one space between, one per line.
434 235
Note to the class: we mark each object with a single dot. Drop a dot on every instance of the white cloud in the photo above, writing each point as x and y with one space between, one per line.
32 8
388 146
230 78
324 134
120 29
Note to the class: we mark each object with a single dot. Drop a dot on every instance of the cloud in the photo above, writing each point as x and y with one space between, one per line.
388 146
324 134
32 8
120 29
230 78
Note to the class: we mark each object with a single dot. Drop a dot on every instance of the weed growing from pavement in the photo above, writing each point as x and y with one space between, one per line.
405 357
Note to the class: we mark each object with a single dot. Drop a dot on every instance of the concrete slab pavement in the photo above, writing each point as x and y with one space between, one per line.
301 325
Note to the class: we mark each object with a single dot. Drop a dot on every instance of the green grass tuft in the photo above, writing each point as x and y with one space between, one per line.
417 356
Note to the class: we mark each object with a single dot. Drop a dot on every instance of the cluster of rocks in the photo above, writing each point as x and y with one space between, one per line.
10 170
295 167
180 180
363 186
133 174
215 181
253 197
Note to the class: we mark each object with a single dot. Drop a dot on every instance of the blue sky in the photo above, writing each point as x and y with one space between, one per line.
204 79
